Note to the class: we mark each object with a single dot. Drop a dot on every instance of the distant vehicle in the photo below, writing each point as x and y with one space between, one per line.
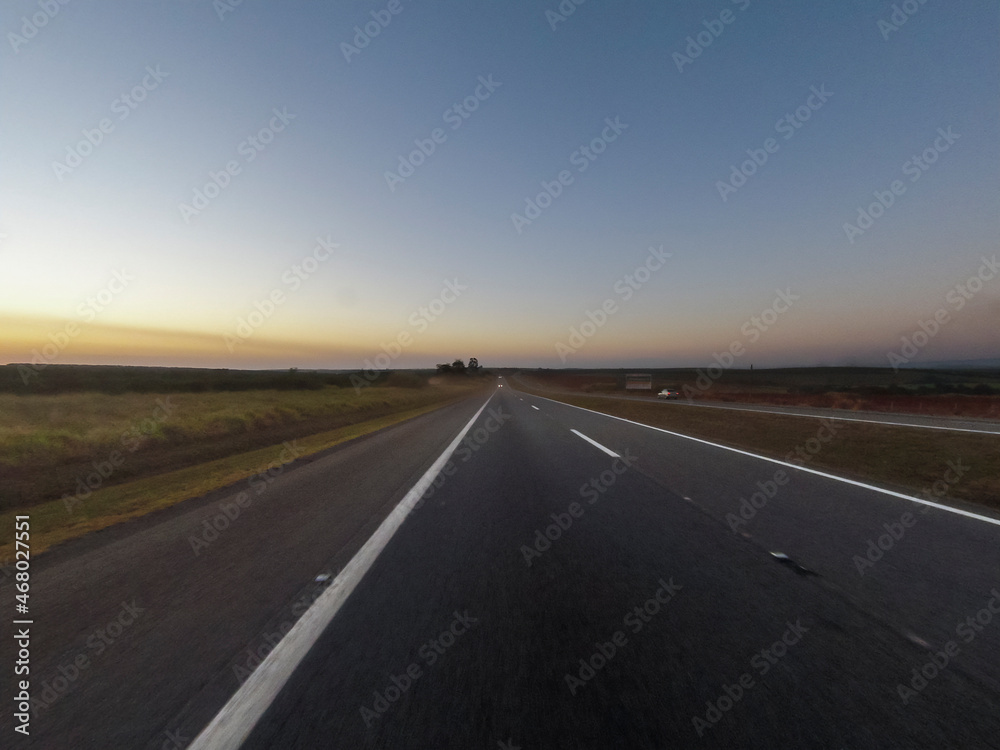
668 393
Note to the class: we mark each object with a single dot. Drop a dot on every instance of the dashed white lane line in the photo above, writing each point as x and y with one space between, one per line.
233 724
595 443
796 467
535 407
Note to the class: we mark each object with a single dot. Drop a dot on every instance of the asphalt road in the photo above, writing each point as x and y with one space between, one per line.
453 640
153 678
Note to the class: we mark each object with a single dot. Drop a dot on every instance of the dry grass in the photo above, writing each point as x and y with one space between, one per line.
841 388
48 444
54 522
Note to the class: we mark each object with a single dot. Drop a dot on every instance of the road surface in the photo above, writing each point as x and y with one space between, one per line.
574 581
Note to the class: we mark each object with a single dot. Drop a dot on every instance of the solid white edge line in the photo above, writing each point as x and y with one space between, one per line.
840 419
234 723
950 509
595 443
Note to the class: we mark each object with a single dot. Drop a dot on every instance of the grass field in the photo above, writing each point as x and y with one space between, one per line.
972 393
904 459
72 443
60 520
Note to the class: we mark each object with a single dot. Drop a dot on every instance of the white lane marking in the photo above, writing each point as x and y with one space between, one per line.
948 508
233 724
839 419
595 443
535 407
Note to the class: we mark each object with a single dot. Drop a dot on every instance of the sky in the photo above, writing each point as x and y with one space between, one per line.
583 184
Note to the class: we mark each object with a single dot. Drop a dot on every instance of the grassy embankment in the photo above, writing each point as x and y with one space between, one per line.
904 459
160 449
971 393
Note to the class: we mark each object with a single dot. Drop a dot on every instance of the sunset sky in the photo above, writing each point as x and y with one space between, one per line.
303 250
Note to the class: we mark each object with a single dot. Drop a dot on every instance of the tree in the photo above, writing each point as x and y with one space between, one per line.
444 367
458 366
473 364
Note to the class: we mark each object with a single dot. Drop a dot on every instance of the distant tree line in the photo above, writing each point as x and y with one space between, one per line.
116 379
458 367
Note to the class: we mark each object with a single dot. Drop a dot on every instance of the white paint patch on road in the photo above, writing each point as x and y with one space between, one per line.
914 638
796 467
595 444
233 724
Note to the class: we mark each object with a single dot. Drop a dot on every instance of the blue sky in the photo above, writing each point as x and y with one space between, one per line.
197 284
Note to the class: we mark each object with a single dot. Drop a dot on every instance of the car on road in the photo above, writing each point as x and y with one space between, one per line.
668 393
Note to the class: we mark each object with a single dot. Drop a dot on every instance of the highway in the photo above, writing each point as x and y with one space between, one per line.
205 616
571 580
